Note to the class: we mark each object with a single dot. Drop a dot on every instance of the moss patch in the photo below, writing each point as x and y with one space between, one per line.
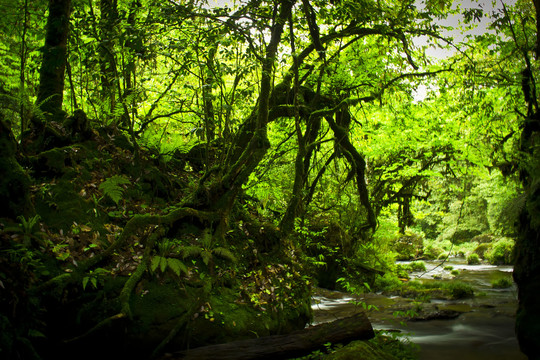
361 350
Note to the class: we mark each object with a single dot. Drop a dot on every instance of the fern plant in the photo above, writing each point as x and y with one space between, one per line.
164 261
207 251
28 229
112 187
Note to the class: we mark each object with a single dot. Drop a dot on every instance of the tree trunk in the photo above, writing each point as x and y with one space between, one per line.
14 181
109 16
293 345
252 141
527 250
51 84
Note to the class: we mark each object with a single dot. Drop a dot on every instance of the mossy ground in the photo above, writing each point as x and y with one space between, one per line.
77 220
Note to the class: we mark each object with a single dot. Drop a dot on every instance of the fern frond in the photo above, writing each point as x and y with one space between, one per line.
206 257
206 238
177 266
191 251
155 263
224 254
112 187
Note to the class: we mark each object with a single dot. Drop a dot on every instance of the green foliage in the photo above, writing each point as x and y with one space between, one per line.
437 289
481 250
273 287
501 252
432 251
417 266
473 259
502 283
357 289
459 290
207 250
396 344
167 263
94 277
112 187
29 229
388 282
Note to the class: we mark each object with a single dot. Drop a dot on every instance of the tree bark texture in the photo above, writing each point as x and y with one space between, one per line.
527 249
51 83
109 17
296 344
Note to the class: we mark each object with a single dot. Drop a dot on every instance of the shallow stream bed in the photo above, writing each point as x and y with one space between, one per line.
483 327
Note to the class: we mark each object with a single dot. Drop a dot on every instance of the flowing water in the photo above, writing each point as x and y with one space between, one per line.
483 328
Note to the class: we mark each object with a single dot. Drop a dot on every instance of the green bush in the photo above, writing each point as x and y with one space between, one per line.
417 266
482 249
501 283
443 255
473 259
432 252
387 282
459 290
501 253
454 272
408 246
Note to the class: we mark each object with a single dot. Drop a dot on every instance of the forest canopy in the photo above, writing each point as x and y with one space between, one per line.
218 144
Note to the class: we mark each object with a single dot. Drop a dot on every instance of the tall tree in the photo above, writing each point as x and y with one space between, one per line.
51 84
527 262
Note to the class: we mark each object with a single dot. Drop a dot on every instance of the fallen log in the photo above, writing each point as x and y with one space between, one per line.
296 344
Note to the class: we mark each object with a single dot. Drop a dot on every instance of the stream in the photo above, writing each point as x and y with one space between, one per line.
480 328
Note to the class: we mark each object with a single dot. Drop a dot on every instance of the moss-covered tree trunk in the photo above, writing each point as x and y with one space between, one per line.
527 249
51 83
14 182
252 141
527 259
109 17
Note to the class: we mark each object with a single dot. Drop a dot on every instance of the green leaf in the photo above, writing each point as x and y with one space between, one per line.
155 263
177 266
85 282
163 264
224 254
112 187
206 256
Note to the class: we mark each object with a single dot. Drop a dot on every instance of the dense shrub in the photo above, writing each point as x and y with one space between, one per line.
417 266
473 259
387 282
459 290
501 283
408 246
432 252
501 253
482 249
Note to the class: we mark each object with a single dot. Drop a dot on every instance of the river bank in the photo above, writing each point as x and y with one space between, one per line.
477 328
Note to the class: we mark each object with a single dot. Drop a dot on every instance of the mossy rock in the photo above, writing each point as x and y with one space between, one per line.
61 205
473 259
408 246
482 249
364 350
501 252
483 238
464 235
432 252
216 318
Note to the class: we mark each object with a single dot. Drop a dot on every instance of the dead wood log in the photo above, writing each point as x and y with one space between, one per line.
296 344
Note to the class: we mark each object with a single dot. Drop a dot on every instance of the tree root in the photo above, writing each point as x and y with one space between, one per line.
136 223
100 325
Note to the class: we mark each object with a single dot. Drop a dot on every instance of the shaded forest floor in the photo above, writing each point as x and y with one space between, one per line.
65 282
